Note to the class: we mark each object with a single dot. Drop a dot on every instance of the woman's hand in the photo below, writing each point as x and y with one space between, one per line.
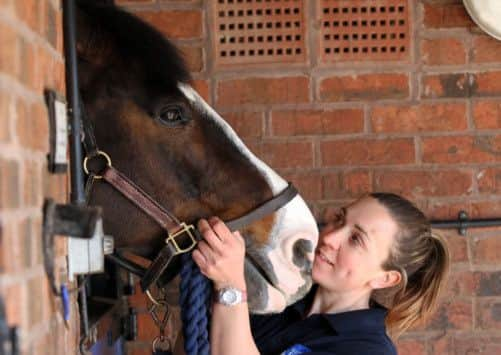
220 255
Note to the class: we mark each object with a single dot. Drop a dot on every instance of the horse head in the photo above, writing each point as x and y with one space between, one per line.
161 134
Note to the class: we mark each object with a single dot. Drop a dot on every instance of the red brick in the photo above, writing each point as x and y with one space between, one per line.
411 347
7 109
51 30
452 314
31 12
461 283
286 154
309 186
447 209
7 6
8 50
246 124
346 184
488 313
447 85
488 83
485 209
202 88
367 152
443 51
489 180
486 49
33 127
14 297
477 344
11 256
457 246
443 345
365 87
25 234
9 184
446 16
461 149
32 184
189 25
194 57
489 283
419 118
35 300
487 114
425 183
298 122
263 91
486 250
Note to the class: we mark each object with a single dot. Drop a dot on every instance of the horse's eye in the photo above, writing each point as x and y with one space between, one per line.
172 115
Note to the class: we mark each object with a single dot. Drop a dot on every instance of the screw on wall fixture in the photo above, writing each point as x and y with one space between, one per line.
360 30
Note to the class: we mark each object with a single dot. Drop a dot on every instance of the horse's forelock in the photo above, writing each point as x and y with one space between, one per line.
128 37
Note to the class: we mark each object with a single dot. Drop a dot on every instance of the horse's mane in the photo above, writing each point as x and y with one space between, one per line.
136 41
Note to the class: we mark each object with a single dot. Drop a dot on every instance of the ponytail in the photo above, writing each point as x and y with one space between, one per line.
421 257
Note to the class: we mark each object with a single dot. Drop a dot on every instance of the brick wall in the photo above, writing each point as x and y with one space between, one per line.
30 60
426 126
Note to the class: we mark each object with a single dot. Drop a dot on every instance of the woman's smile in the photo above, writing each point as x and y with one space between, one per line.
324 258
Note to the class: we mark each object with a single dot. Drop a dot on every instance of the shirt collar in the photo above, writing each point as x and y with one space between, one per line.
371 319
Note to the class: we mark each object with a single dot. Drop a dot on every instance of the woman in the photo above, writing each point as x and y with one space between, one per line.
379 244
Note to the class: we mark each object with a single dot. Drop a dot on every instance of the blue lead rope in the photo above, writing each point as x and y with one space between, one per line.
195 291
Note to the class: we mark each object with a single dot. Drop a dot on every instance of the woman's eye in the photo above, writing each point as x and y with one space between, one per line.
356 239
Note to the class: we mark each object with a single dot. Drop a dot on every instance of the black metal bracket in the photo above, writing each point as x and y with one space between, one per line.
66 220
463 223
8 335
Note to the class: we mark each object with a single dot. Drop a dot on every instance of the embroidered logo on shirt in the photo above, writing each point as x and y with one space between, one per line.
296 349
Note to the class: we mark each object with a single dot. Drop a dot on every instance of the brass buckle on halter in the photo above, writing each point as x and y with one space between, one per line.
189 229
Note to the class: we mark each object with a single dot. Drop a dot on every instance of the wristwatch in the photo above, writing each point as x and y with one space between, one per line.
230 296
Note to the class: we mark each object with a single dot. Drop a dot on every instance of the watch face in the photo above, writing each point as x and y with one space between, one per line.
229 296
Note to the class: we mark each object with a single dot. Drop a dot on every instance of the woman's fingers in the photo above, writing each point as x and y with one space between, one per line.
210 236
222 230
207 252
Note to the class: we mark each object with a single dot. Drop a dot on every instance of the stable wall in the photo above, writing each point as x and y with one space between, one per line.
426 125
31 59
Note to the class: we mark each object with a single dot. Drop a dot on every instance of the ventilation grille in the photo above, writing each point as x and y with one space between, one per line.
358 30
259 31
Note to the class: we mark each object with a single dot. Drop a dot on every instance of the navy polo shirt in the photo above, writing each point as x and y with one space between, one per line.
360 332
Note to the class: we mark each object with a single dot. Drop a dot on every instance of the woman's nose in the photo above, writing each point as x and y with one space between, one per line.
333 238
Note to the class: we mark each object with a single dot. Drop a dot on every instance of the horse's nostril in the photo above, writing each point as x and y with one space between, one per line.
300 251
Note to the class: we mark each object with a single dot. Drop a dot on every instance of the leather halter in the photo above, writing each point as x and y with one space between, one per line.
181 237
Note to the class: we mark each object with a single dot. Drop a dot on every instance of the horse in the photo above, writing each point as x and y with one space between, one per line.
163 136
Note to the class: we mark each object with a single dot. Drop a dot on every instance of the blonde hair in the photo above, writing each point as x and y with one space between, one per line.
421 257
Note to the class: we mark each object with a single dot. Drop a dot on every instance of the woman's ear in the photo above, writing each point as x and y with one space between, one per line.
386 279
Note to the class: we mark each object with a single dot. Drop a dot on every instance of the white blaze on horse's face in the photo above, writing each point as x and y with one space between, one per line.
288 255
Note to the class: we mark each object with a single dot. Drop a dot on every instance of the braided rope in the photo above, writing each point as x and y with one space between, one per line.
194 299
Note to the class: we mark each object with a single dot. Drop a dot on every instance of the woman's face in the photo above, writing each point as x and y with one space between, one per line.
353 247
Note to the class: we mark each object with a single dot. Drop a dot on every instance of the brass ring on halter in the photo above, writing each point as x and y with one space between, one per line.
98 153
162 340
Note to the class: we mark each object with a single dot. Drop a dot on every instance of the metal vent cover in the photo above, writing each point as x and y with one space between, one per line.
361 30
258 31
